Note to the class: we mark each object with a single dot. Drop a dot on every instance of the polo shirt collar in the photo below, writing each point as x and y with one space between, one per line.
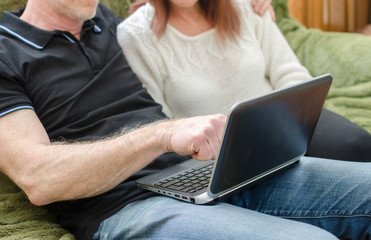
29 34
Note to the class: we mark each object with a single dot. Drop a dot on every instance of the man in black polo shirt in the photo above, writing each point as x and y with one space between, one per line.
70 111
75 85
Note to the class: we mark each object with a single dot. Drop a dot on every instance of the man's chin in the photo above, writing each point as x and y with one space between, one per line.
84 15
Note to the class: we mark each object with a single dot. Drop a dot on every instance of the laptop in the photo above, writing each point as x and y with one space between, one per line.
262 137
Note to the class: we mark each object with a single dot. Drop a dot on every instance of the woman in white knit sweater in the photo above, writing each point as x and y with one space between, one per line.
199 57
190 69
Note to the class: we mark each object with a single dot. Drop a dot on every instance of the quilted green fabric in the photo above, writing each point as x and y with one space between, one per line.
19 219
346 56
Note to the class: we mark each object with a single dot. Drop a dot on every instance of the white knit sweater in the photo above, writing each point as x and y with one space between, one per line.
196 75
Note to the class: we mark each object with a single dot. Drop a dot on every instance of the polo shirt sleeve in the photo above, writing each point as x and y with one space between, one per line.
13 95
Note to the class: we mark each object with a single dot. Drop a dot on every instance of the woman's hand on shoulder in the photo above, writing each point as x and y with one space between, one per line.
261 6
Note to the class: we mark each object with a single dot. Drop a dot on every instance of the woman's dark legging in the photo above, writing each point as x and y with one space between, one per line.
336 137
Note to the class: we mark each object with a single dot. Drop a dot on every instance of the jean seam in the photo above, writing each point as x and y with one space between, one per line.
316 216
329 216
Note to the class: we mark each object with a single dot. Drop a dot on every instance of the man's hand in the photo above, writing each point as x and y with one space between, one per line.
197 136
261 6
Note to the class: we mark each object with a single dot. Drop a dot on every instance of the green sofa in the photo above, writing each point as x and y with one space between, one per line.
346 56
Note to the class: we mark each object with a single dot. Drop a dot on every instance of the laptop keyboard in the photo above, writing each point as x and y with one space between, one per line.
190 181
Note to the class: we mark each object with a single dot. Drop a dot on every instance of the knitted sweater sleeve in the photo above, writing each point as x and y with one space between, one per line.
134 36
282 66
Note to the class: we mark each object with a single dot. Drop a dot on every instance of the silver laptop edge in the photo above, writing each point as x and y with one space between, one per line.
214 197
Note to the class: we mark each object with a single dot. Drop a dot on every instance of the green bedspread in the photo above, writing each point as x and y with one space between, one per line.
19 219
346 56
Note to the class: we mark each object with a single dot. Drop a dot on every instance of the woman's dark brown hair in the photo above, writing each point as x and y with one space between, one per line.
222 14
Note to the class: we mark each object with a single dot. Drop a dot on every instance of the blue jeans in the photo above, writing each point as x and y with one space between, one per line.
310 201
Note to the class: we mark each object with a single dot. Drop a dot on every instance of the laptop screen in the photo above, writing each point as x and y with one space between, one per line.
272 130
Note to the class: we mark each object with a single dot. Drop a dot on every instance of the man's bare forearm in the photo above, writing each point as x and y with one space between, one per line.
61 171
66 171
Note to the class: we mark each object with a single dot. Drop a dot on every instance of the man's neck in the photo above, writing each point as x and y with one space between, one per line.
40 15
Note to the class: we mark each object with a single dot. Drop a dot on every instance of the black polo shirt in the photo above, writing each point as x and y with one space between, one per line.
81 90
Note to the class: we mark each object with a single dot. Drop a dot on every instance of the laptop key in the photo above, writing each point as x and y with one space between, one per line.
189 181
176 188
